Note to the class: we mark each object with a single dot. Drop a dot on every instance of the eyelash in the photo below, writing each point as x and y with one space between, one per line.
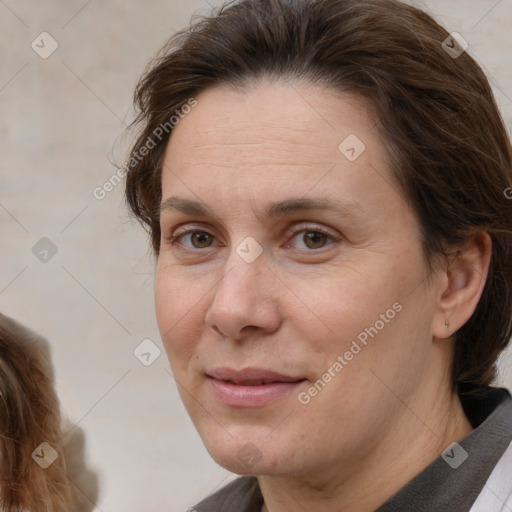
173 240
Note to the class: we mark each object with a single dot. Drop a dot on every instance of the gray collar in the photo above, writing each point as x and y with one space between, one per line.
441 487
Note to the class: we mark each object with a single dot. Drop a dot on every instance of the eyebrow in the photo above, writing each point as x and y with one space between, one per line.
281 208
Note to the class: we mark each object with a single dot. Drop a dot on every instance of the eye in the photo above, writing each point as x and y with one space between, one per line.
306 238
312 238
197 239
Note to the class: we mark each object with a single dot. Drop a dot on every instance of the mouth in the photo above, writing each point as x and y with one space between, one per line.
251 387
259 382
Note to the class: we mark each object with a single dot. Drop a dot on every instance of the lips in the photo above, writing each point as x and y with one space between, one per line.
259 382
250 387
251 376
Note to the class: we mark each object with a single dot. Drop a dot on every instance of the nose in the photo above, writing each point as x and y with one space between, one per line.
244 300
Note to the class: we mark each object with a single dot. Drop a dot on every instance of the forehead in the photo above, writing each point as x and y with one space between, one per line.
275 112
273 138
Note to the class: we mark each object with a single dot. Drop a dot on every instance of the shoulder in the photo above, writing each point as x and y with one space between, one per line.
241 495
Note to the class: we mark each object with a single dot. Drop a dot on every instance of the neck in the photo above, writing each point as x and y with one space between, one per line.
419 437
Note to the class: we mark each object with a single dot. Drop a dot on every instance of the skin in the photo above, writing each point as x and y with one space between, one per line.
390 411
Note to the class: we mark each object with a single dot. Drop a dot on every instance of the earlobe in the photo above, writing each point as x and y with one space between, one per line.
465 277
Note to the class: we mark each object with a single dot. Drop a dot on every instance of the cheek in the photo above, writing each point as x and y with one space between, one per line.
381 331
344 301
368 313
178 304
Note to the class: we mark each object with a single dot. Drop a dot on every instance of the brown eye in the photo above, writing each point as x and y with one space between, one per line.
314 239
200 239
193 239
310 239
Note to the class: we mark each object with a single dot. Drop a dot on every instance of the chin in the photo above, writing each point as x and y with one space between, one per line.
246 454
247 461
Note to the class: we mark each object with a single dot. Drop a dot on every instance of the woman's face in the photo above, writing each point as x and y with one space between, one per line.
291 288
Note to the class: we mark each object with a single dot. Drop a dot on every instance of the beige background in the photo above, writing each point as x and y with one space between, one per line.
60 127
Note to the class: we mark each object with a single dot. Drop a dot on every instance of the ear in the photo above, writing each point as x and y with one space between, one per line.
463 281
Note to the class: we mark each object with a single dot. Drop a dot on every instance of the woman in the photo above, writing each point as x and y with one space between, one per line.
324 182
32 470
41 470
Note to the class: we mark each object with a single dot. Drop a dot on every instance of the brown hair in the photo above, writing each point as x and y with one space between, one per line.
449 148
29 415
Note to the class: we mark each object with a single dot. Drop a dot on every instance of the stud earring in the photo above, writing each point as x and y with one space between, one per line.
447 323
